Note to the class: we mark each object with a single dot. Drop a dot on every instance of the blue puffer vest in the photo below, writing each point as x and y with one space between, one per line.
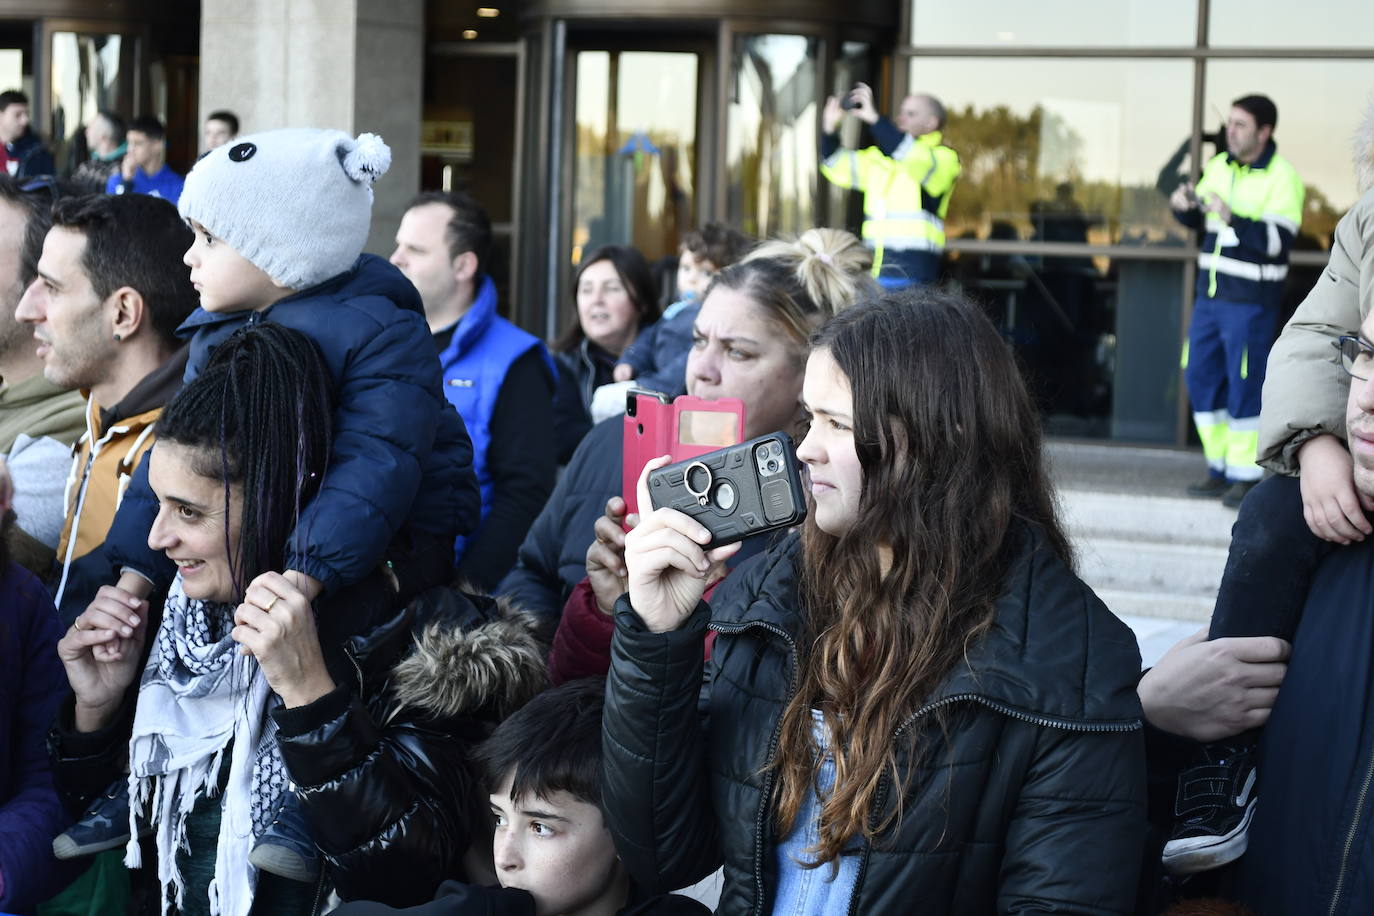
475 363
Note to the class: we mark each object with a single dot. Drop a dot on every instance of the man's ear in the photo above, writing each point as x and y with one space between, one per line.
1265 134
465 267
128 312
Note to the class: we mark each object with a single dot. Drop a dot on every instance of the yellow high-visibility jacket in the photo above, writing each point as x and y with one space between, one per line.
906 194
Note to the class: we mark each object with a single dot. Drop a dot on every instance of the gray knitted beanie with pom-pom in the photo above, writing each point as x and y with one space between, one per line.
295 202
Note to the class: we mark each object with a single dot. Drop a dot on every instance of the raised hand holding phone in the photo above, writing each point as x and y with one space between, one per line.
667 563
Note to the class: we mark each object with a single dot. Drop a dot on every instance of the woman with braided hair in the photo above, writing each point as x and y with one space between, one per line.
242 699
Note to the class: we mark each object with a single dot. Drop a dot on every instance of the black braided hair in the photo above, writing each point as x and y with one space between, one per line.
259 415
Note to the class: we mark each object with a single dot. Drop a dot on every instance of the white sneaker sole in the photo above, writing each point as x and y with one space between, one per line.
1204 853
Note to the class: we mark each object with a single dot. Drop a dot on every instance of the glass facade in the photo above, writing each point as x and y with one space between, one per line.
1062 150
771 155
90 72
1055 23
635 150
1074 121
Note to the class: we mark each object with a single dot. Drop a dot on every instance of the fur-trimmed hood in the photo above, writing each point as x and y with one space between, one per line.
1364 150
450 654
490 670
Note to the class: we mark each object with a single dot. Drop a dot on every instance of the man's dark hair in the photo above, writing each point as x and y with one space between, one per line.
551 744
116 124
12 97
228 117
468 229
149 126
1259 107
137 241
35 197
718 243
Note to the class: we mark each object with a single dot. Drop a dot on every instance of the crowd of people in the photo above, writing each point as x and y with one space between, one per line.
321 588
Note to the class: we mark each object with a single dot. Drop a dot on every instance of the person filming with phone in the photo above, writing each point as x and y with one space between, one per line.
907 178
913 695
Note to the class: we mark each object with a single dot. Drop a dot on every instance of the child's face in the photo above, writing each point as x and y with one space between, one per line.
693 276
225 279
558 849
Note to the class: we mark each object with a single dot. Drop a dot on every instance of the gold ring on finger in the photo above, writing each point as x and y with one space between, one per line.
269 604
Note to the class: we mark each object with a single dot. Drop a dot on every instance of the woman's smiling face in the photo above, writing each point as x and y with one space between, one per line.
191 524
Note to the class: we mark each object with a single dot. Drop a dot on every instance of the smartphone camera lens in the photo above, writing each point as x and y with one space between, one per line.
772 465
776 447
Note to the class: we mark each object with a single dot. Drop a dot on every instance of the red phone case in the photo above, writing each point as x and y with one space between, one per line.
685 428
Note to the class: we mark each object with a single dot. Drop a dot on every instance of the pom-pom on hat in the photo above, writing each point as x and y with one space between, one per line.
295 202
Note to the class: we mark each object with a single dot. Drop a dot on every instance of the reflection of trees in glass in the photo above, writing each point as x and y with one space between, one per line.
1014 165
1319 218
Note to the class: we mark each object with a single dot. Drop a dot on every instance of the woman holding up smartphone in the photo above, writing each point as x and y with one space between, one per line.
914 704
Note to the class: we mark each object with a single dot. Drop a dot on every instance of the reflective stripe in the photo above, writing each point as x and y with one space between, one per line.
1213 431
1282 222
1212 417
920 216
908 243
1246 270
1275 244
1244 363
1245 424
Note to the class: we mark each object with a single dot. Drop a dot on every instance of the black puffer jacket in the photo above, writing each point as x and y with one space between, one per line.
385 780
1033 803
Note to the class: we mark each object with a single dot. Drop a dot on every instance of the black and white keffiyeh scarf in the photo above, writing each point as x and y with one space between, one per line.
199 697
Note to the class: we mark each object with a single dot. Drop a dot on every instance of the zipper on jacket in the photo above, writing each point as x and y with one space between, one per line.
1350 835
762 813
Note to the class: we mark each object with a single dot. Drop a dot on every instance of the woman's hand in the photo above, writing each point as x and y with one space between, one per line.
101 653
668 569
276 625
606 556
1333 508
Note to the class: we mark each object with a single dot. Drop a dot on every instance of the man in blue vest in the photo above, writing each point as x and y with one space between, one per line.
500 378
1249 201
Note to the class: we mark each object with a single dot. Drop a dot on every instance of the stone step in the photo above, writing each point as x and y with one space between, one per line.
1129 565
1156 605
1090 515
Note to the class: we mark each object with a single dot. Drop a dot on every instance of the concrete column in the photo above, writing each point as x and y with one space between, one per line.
354 65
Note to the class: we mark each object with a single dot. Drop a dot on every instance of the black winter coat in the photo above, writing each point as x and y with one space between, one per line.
382 766
1033 802
553 557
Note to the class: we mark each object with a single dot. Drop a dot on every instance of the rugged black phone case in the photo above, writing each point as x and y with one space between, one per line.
763 474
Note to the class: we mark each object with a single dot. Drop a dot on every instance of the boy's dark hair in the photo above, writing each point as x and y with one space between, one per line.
35 197
134 240
468 229
116 124
718 243
228 117
1259 107
12 97
551 744
149 126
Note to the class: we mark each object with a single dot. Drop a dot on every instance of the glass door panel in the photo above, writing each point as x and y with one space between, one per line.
636 150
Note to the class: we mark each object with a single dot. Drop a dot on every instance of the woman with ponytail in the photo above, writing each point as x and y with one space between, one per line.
748 342
914 704
241 700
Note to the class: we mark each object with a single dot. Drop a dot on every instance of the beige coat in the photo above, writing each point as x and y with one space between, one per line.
1304 388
